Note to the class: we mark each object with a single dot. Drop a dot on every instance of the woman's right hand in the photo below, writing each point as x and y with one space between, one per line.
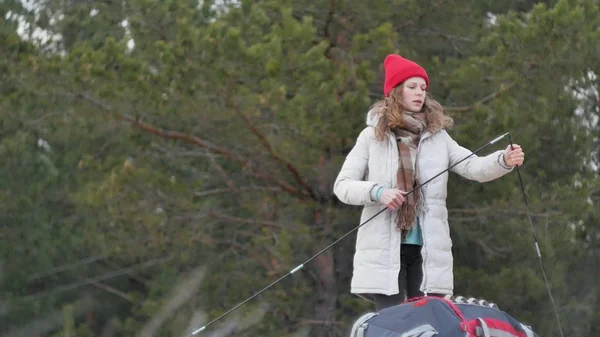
392 198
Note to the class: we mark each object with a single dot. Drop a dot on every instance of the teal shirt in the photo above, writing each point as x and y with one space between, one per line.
414 237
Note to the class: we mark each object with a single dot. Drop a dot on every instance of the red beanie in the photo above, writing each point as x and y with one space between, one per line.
398 70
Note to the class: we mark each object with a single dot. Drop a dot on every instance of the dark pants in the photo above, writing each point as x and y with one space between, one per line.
409 278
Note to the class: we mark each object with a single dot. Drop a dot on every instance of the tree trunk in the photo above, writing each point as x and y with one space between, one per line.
325 263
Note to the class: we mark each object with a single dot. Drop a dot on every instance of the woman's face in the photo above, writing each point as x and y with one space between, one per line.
413 93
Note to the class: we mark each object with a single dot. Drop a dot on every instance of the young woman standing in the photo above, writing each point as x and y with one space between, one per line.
406 251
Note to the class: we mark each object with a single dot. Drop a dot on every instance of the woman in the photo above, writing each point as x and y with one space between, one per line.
408 247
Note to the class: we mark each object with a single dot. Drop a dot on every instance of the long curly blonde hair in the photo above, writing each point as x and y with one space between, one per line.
390 109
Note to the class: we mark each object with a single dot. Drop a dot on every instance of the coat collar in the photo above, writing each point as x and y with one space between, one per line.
373 118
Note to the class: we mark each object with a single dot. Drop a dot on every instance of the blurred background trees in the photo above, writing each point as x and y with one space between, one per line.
163 160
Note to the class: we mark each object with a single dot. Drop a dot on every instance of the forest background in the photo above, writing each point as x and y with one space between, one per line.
162 161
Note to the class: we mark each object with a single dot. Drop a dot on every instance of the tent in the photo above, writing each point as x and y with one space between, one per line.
441 317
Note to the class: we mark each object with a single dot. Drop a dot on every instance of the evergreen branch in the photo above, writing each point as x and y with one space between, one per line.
103 277
493 252
222 172
329 18
421 16
230 218
444 35
65 267
483 100
108 288
503 88
326 28
212 157
246 188
132 275
253 255
169 134
263 139
317 322
489 210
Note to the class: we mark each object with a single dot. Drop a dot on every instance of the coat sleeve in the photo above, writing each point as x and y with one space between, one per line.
349 186
481 169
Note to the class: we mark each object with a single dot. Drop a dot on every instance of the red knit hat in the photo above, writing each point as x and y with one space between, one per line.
398 70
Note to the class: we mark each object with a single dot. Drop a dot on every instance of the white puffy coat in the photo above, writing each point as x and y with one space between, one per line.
377 256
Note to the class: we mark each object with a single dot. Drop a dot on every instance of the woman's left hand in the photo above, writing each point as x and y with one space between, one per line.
514 156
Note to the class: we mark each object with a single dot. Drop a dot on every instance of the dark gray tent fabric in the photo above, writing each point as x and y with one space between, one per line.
398 321
437 317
